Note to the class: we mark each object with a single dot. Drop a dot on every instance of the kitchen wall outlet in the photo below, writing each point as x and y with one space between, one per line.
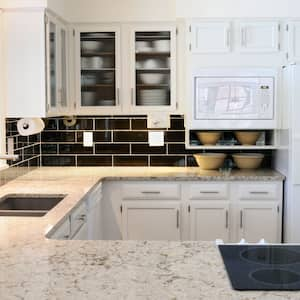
156 138
158 120
88 139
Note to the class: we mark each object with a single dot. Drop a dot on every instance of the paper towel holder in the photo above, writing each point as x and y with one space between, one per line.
25 126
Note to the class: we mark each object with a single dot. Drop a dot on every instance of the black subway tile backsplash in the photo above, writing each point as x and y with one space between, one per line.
177 124
118 141
130 136
139 124
58 136
50 148
58 160
98 136
81 124
175 136
146 149
104 161
112 148
74 149
28 149
161 161
134 161
109 124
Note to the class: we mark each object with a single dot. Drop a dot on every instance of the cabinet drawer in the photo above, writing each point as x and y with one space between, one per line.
258 191
157 190
78 218
206 191
62 232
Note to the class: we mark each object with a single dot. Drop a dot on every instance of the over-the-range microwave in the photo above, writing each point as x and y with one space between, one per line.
234 98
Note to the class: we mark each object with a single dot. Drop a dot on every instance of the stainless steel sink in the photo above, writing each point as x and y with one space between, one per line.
28 205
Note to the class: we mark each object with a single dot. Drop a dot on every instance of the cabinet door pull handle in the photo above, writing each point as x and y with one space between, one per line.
209 192
81 218
177 218
243 37
118 97
241 219
259 193
132 96
226 225
228 42
150 192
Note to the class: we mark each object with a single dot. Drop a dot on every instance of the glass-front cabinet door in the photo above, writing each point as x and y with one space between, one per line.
98 69
153 68
63 88
57 66
52 80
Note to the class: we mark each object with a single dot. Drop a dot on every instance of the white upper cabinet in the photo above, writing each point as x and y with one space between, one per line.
293 29
152 68
137 76
98 69
209 220
260 36
57 67
36 64
210 37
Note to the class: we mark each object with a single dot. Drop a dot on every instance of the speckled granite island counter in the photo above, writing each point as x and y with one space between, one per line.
33 267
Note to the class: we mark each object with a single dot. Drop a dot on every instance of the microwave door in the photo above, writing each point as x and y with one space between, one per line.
234 98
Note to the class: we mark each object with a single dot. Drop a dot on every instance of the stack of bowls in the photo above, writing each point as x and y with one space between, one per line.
248 160
210 161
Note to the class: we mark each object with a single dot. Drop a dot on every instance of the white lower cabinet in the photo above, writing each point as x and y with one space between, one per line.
151 220
158 210
259 220
209 220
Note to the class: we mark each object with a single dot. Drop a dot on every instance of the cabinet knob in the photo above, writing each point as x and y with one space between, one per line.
241 219
177 218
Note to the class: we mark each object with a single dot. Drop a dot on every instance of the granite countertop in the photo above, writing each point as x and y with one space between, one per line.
33 267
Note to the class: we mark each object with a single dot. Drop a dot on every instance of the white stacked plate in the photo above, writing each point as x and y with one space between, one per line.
91 46
153 97
88 80
91 63
143 46
88 98
104 102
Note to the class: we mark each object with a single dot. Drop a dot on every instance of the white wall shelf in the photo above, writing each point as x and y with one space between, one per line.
216 147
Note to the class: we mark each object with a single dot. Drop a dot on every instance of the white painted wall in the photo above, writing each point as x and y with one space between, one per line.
58 6
237 8
2 102
119 10
22 3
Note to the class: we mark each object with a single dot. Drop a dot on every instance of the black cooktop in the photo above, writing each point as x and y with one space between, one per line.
262 267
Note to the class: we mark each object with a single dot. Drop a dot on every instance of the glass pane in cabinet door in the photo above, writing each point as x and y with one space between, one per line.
53 73
63 69
98 68
152 68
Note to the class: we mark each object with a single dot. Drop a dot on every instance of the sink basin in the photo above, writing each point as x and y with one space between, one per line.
28 205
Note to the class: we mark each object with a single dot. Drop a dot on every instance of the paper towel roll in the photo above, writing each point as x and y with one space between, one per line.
30 126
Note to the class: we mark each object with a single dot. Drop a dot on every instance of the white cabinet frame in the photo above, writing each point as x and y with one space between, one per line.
58 108
131 72
293 29
92 110
252 35
221 225
173 208
203 34
270 211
